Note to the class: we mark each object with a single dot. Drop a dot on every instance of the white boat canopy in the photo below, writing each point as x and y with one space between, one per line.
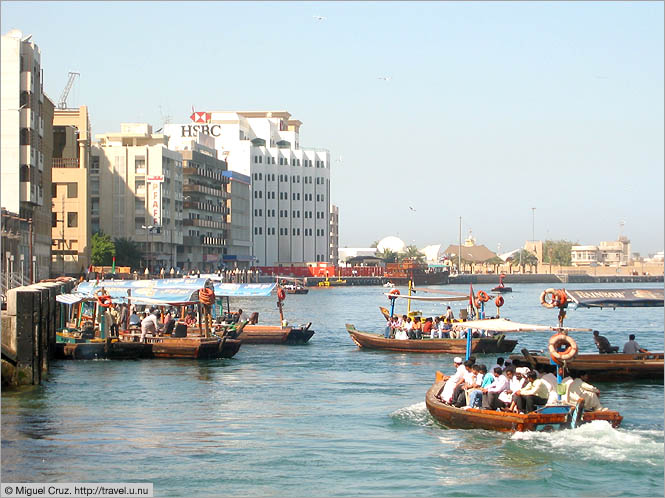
73 298
503 325
430 298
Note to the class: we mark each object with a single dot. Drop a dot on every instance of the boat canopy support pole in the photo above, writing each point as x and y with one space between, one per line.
469 335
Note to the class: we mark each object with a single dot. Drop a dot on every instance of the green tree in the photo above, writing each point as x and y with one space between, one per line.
102 249
387 255
495 261
524 258
557 252
128 252
375 244
411 252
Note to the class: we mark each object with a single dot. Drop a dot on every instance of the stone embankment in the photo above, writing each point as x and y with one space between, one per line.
28 331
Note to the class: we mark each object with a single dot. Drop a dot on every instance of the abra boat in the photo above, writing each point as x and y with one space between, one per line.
194 343
501 289
612 366
546 419
251 332
496 344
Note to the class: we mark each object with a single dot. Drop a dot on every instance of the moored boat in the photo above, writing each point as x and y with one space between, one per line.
545 419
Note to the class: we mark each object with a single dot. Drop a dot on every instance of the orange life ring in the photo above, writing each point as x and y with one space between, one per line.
105 301
558 298
498 301
559 341
281 295
393 294
482 296
207 296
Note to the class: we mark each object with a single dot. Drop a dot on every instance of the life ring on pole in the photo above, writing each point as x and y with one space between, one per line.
281 294
483 296
498 301
552 302
104 300
207 296
393 294
562 348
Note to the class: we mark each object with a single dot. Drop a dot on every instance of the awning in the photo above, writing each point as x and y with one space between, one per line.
430 298
617 298
70 299
243 290
503 325
159 291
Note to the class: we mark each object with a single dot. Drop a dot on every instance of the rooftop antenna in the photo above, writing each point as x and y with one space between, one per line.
62 104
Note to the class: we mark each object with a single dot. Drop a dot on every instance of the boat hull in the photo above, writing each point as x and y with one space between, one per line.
195 347
608 367
502 290
272 334
457 418
117 350
448 346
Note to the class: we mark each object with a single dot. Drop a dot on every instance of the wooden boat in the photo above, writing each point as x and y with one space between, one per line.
605 367
292 285
271 334
82 349
194 347
496 344
546 419
502 289
253 333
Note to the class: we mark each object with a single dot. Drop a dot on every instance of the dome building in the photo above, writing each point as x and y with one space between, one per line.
391 243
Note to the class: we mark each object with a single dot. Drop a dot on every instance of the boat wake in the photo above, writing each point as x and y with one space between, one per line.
616 445
415 414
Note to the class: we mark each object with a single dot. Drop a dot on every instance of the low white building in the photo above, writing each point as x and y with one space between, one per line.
346 253
607 253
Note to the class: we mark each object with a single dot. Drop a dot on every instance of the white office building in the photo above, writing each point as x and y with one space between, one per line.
290 184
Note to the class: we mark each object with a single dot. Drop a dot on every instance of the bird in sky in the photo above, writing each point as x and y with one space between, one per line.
319 18
384 78
412 209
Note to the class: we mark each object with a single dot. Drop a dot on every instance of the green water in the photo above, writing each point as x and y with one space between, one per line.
325 419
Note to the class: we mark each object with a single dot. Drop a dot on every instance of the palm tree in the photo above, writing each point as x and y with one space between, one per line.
413 253
387 255
128 253
524 258
495 261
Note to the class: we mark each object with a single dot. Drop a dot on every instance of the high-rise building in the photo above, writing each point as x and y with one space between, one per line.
239 243
69 187
334 234
136 185
290 184
26 145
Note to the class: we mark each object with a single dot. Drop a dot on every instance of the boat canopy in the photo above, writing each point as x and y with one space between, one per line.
158 292
616 298
70 299
457 297
437 291
243 290
503 325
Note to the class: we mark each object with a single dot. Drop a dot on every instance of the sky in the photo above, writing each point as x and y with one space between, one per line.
432 111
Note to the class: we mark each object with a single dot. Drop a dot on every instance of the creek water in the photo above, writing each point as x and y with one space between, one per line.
327 418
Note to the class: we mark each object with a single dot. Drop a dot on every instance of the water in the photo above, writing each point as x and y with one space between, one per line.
326 419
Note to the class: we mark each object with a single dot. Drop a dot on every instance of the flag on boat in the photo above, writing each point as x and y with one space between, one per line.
113 267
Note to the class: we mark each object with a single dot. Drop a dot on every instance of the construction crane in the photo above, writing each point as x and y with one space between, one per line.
62 104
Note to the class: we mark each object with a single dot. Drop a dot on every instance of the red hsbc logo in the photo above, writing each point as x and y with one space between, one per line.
200 117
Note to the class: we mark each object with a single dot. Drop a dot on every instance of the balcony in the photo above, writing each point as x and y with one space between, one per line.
203 240
189 188
65 162
219 225
204 206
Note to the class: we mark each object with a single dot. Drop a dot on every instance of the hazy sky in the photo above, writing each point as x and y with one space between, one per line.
491 109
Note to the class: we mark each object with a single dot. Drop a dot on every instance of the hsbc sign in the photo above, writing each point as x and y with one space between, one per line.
204 129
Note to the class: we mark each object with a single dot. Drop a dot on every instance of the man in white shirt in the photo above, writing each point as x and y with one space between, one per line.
500 384
579 388
150 325
632 347
450 385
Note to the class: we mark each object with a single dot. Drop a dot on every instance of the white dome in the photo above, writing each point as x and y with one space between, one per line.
394 244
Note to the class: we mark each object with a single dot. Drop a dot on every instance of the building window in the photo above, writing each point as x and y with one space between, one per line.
54 220
72 220
72 190
139 164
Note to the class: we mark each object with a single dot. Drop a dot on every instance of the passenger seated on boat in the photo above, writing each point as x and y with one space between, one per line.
401 335
436 330
448 389
449 316
580 388
499 363
417 329
603 344
134 320
169 323
190 319
491 393
407 326
470 378
475 396
151 325
240 316
632 346
550 380
428 326
518 381
533 394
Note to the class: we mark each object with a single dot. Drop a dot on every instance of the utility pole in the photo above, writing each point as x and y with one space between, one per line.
459 247
62 235
533 225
